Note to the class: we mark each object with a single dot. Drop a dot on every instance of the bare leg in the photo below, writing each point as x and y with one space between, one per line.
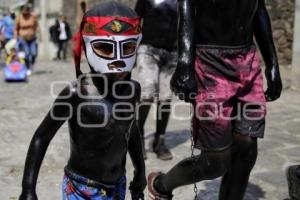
65 48
235 181
163 114
162 119
207 166
143 114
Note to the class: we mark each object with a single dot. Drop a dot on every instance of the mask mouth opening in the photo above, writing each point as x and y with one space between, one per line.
116 65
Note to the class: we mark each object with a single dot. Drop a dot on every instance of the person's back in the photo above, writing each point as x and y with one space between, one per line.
224 22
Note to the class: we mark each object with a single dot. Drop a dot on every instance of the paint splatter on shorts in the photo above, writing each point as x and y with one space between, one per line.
230 96
76 187
155 68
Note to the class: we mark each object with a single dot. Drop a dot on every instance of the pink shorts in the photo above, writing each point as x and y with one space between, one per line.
230 96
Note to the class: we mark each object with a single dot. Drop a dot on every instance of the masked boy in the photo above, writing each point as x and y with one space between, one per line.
100 110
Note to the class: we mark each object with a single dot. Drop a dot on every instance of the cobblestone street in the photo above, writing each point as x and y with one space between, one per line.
23 106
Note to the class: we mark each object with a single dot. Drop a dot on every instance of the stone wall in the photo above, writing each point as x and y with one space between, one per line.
282 15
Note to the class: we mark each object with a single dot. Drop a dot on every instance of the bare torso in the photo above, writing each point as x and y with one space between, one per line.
224 22
98 139
27 26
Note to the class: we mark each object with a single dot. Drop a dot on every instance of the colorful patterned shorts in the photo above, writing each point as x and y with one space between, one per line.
76 187
230 96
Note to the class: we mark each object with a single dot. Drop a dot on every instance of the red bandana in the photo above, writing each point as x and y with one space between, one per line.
111 26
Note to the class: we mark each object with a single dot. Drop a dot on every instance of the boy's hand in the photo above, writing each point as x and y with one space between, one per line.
28 195
137 186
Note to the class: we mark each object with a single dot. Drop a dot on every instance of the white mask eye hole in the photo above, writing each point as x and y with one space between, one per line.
104 49
128 48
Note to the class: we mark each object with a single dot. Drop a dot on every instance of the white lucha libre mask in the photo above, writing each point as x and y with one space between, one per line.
110 40
111 53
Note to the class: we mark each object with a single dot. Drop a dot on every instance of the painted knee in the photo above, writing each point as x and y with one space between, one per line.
215 164
223 161
246 149
245 144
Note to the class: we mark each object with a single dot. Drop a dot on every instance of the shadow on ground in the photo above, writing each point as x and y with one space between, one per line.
211 191
42 72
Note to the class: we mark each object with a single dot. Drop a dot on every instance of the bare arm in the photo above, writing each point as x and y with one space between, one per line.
264 38
183 80
138 184
40 142
186 36
135 149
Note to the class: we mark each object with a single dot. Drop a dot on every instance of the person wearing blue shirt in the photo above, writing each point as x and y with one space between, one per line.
8 27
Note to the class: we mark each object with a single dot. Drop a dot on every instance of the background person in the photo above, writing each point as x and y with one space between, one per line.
76 37
53 33
156 62
1 36
64 35
13 56
82 8
8 27
26 31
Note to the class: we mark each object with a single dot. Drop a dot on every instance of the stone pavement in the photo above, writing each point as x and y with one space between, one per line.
23 106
